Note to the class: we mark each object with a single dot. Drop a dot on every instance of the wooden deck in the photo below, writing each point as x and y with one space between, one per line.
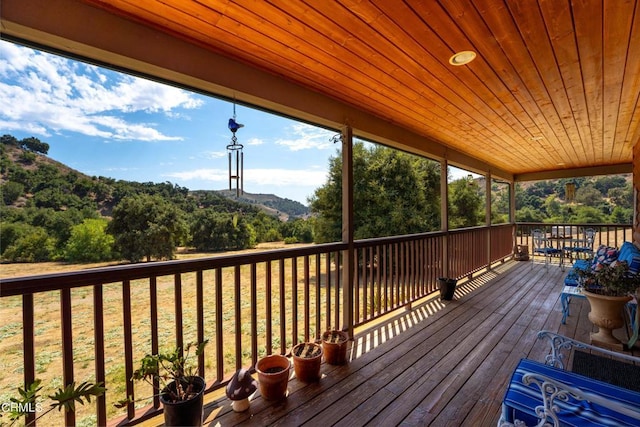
439 364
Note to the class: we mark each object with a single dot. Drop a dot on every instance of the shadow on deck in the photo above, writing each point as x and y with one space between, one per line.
440 363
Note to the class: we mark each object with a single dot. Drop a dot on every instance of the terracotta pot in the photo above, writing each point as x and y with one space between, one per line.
273 376
186 412
334 347
607 314
307 357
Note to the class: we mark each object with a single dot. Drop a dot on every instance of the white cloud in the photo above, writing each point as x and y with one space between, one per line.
305 137
255 141
44 93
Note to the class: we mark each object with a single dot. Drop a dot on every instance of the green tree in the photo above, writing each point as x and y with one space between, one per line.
392 195
11 191
298 230
588 195
89 242
34 246
622 196
216 231
589 215
465 204
146 227
621 215
12 231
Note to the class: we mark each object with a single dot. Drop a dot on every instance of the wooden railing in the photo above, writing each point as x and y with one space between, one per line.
246 305
606 234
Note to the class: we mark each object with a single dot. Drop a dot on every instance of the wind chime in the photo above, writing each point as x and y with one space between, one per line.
236 156
570 191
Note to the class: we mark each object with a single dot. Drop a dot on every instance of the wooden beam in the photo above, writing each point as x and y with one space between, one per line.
572 173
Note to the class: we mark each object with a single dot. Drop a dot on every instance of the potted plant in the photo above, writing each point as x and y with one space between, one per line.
447 288
181 390
273 376
334 347
65 398
307 357
608 288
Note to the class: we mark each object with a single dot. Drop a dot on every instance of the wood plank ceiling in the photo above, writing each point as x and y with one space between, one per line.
555 84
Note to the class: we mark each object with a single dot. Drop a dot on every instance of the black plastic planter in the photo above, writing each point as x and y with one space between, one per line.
447 288
187 412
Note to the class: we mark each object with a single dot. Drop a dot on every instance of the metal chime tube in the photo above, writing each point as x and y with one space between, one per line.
229 170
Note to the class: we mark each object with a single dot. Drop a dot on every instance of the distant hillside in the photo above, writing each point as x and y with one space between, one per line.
46 182
270 203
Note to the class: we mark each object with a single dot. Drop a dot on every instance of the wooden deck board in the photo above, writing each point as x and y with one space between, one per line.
439 364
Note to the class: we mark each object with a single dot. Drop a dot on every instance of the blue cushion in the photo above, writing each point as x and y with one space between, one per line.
571 279
521 399
581 264
631 255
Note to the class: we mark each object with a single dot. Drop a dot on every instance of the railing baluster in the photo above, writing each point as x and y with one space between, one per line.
283 318
153 312
328 284
359 256
29 353
268 307
237 295
318 292
338 282
128 345
254 315
294 299
67 347
98 335
307 298
219 327
384 270
200 319
369 281
177 283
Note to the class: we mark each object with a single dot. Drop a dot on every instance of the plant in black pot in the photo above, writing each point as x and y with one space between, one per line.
447 288
181 390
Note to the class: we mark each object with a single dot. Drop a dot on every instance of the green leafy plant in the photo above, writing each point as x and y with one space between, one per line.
65 398
610 280
168 368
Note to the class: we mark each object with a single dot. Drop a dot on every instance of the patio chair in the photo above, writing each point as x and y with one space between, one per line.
585 247
542 246
600 388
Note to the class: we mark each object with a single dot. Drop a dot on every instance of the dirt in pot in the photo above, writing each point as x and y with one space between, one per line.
307 351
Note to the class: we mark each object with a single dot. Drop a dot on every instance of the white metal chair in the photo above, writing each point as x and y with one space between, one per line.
542 246
586 246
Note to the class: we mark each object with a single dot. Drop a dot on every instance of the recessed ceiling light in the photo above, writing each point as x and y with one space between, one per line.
462 58
536 138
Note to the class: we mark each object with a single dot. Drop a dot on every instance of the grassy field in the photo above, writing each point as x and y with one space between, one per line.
48 327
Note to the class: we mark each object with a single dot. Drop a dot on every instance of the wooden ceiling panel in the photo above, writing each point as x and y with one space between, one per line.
556 84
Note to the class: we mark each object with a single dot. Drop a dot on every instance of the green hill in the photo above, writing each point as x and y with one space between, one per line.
31 178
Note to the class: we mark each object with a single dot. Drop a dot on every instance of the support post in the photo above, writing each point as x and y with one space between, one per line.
444 215
347 229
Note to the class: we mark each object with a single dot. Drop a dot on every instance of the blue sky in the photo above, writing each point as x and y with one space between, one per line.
111 124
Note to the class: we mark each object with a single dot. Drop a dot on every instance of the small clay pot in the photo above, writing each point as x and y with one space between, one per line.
307 357
334 346
273 376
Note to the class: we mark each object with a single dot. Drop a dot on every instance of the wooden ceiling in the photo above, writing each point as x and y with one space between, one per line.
555 85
